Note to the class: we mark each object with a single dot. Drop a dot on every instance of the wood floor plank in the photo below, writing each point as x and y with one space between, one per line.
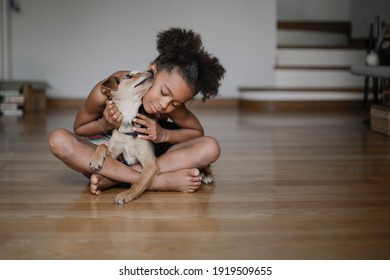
288 186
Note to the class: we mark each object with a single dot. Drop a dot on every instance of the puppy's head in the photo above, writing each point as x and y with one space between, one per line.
127 84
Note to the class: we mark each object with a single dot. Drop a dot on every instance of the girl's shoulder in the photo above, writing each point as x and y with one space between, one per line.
183 117
179 112
96 100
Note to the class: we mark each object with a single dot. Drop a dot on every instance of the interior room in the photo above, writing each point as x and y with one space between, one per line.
303 172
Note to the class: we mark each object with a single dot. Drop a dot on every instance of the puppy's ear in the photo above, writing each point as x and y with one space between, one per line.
109 85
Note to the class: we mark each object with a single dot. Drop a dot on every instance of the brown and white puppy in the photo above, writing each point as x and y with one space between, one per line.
126 90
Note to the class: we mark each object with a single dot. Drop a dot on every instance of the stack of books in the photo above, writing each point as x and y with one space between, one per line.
11 102
22 97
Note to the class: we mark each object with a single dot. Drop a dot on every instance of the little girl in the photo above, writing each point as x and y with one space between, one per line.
182 70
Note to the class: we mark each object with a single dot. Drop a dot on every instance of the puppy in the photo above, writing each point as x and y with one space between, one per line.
126 90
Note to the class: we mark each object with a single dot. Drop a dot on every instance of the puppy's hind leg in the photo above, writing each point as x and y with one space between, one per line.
149 171
140 185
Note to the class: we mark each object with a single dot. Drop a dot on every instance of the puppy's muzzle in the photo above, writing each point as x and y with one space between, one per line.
149 77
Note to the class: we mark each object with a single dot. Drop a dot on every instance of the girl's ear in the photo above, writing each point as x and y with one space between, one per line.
153 67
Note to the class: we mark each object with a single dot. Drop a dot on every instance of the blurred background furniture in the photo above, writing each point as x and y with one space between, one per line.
378 74
17 97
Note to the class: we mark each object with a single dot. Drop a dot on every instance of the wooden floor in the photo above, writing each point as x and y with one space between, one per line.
288 186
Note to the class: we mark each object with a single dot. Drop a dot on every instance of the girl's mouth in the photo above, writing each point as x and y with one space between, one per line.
153 110
157 113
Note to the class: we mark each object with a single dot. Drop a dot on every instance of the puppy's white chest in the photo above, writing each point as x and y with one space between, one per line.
123 144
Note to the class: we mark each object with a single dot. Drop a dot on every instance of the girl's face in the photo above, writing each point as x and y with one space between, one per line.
169 91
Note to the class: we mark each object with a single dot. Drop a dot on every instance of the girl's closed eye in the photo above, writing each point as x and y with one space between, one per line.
176 104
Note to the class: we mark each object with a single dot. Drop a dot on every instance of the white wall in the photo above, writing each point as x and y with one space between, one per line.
313 9
360 12
4 40
364 12
72 44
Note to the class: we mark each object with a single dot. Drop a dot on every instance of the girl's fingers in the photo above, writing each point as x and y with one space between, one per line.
144 117
144 120
119 119
146 131
141 122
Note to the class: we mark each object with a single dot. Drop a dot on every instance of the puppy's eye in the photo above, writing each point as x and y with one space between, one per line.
128 76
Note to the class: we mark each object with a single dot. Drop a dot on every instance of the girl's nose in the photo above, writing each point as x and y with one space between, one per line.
164 102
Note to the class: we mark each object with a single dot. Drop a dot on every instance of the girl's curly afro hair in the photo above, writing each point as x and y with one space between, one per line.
182 50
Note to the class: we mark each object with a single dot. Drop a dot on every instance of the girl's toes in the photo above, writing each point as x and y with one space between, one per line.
195 172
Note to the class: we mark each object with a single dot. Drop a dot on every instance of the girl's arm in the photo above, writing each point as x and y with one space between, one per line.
190 127
97 115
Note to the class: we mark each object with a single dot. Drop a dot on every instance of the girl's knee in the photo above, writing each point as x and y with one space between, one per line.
59 142
211 148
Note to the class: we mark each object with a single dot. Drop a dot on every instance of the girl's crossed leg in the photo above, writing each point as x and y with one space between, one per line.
179 166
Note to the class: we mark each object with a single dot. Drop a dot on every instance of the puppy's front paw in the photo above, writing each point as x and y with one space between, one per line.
123 197
95 165
97 162
98 157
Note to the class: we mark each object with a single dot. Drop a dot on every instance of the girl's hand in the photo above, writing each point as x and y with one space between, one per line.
112 116
153 131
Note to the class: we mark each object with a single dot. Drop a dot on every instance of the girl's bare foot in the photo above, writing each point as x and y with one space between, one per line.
99 183
184 180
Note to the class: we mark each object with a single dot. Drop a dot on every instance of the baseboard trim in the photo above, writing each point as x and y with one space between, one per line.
57 103
298 106
214 103
317 25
